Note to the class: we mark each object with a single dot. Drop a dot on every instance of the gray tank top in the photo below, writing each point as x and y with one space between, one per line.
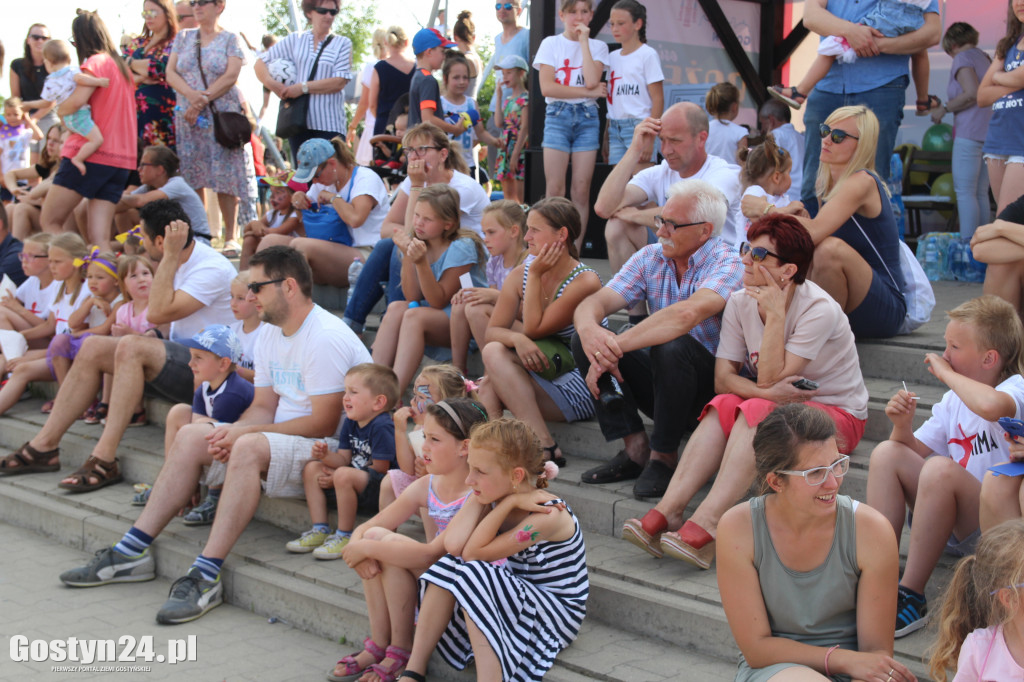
816 607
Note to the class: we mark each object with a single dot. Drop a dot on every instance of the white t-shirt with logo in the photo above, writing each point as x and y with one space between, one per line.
36 300
628 78
656 180
312 361
975 444
566 56
206 276
248 340
472 200
363 182
466 140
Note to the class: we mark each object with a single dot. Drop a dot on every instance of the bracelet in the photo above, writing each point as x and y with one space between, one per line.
767 208
827 654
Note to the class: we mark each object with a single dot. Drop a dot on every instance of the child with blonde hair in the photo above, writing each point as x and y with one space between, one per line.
527 542
31 302
504 226
936 470
981 624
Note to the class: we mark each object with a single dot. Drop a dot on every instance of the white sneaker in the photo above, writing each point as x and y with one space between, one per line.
309 541
332 548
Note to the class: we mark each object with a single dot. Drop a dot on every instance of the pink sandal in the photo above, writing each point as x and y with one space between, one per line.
391 672
352 671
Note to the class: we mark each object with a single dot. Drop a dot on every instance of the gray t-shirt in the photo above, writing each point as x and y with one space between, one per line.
176 188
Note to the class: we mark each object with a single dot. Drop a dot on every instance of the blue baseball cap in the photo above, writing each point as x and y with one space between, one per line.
427 38
217 339
311 154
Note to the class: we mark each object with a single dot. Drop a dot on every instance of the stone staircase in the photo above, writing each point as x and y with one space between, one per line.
647 619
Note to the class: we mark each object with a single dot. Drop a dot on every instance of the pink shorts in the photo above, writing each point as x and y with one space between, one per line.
849 429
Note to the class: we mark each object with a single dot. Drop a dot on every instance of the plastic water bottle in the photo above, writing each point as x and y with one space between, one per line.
895 186
975 269
932 266
353 274
203 121
955 259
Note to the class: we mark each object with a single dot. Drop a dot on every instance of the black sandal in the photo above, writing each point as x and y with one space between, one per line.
417 677
559 461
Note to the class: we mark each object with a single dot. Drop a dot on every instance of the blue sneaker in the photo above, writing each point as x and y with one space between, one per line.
911 612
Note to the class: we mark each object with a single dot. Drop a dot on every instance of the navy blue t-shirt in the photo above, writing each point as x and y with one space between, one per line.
229 401
423 92
376 440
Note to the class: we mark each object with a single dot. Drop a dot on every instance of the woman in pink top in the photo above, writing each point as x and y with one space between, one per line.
778 333
113 111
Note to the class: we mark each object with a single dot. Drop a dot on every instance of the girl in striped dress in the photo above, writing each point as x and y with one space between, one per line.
389 563
521 364
518 594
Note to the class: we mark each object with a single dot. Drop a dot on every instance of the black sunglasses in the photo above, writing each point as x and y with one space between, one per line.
255 287
325 10
659 221
757 253
837 135
36 36
200 3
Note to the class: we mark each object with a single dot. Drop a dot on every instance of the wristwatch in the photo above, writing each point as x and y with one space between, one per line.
305 88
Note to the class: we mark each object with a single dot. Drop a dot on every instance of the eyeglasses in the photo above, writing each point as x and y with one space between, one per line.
183 17
757 253
419 151
659 222
1008 587
837 135
255 287
819 475
150 13
325 10
507 5
200 3
28 256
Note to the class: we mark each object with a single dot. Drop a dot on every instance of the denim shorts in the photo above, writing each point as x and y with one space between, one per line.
1005 158
620 134
571 127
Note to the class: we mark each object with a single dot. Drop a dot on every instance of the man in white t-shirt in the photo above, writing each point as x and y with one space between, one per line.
774 117
191 289
631 202
302 356
158 171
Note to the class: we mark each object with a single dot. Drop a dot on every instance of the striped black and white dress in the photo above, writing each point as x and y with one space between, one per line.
530 607
569 391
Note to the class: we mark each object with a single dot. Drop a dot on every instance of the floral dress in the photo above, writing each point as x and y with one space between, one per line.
512 125
154 101
204 163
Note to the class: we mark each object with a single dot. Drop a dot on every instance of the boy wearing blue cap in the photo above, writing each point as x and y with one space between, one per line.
424 93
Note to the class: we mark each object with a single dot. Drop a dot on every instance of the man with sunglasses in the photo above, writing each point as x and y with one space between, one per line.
878 79
665 364
10 250
191 290
630 202
302 356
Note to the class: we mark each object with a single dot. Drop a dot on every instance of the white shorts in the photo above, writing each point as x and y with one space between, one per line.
1005 158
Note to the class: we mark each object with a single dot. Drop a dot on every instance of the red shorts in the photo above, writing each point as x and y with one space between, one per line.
849 429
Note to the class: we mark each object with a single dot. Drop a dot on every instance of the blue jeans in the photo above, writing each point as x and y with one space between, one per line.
380 267
970 181
886 101
620 135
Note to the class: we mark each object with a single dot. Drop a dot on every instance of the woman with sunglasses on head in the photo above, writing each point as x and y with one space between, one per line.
147 57
326 114
857 257
806 574
28 74
203 69
783 340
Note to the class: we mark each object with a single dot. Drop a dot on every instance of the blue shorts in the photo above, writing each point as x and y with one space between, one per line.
620 134
80 121
571 127
99 182
880 315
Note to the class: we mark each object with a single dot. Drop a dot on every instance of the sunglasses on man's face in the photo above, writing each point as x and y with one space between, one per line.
835 134
256 287
326 10
757 253
507 5
200 3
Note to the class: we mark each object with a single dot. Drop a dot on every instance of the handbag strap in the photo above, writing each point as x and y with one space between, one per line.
323 46
199 58
880 259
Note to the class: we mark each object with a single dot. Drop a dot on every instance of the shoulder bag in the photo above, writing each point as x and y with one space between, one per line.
231 130
291 114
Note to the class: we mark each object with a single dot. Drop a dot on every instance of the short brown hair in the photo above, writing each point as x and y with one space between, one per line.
997 327
379 379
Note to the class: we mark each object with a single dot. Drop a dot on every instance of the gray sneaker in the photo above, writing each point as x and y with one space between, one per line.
203 513
110 566
191 597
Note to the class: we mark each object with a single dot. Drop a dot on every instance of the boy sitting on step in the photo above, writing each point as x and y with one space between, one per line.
937 469
365 452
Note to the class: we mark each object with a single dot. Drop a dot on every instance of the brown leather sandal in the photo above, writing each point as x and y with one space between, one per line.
28 460
105 473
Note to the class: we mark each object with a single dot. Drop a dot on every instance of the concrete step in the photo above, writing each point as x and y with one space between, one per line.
325 598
